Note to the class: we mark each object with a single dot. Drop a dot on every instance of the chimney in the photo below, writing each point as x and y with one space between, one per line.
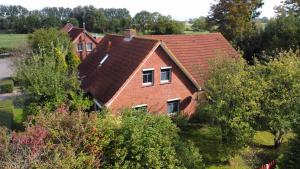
129 34
83 25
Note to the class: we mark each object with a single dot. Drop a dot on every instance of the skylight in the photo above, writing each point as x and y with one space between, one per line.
103 60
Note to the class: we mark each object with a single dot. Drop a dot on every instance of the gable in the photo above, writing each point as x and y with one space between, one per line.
157 94
194 51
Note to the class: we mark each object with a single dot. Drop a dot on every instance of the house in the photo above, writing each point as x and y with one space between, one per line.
160 73
83 41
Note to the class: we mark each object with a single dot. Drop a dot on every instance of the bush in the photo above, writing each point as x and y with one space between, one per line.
79 140
6 86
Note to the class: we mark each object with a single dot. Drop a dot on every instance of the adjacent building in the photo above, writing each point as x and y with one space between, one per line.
83 41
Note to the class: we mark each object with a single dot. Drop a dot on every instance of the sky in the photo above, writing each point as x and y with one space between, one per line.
178 9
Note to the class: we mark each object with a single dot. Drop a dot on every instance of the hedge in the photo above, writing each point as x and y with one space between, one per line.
6 86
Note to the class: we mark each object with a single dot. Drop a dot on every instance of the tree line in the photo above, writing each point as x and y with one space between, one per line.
20 20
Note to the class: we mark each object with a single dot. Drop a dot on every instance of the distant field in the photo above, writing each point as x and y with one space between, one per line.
12 40
194 33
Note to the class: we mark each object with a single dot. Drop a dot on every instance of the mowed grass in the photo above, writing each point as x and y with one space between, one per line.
12 40
10 116
260 152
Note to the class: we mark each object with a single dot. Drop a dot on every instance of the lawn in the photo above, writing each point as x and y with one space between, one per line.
12 40
261 151
10 116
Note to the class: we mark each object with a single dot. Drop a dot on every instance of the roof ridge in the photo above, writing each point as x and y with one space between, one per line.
174 35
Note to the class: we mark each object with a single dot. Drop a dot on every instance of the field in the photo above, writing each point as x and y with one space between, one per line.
12 40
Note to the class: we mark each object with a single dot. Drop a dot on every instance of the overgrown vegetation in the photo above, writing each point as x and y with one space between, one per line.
77 140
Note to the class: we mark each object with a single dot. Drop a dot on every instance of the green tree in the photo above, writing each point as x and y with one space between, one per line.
281 33
46 40
143 21
281 86
233 98
148 141
235 20
199 24
292 6
290 159
46 80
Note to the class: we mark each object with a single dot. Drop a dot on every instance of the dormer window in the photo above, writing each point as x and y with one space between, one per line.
165 74
148 77
79 47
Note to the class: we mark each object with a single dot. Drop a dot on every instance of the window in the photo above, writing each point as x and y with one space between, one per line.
148 76
142 107
173 106
79 47
103 60
165 75
89 47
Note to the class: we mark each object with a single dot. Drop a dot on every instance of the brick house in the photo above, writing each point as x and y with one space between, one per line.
83 41
158 73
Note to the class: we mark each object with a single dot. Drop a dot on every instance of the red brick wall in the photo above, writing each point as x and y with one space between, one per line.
84 40
156 96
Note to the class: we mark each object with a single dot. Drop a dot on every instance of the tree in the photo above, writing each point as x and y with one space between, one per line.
199 24
166 25
118 19
46 40
281 86
147 141
233 98
292 6
290 159
281 33
234 19
143 21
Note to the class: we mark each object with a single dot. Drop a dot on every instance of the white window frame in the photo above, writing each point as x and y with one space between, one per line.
87 49
178 106
79 50
148 83
140 106
166 68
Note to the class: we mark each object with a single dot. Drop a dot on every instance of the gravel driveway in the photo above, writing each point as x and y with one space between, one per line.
6 69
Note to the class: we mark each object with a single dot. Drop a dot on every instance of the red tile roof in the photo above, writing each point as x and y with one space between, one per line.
74 32
98 39
195 51
67 27
187 51
124 57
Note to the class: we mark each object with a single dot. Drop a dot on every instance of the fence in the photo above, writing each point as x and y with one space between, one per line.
270 165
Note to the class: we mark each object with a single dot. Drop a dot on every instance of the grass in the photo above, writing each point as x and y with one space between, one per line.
194 33
6 113
12 41
261 151
10 116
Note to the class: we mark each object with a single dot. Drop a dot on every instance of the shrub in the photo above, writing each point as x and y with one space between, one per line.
66 139
6 86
